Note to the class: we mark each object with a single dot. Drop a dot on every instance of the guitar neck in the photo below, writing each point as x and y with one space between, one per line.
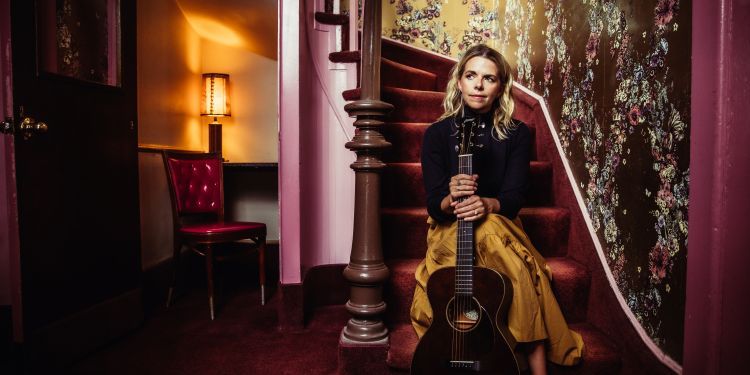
465 241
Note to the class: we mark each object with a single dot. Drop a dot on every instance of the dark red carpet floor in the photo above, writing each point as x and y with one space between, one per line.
243 339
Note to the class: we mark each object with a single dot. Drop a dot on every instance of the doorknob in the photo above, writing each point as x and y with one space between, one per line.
27 127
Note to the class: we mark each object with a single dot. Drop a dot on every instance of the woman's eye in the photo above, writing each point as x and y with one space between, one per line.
490 79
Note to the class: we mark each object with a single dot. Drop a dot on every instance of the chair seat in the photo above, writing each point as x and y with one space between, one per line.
222 227
222 231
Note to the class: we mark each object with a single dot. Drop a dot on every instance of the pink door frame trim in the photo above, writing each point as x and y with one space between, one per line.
10 257
289 142
717 307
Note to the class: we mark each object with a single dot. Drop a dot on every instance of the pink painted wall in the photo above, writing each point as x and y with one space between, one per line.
316 186
717 307
327 212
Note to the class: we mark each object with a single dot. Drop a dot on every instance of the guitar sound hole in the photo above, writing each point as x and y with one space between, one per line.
463 313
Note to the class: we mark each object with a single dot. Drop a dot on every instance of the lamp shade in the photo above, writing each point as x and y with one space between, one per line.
215 98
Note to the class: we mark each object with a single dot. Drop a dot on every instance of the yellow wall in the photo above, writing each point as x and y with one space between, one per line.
178 40
445 27
169 69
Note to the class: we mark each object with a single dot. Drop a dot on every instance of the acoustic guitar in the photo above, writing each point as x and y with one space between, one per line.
469 332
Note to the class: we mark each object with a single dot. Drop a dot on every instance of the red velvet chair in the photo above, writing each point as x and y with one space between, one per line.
196 187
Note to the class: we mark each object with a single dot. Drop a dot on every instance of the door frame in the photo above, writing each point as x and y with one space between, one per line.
9 248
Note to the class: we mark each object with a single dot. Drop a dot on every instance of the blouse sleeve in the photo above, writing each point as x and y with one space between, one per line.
512 193
435 172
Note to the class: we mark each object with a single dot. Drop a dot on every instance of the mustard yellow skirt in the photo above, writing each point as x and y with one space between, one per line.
502 245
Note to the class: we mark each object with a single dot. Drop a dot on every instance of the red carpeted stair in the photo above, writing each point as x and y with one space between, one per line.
413 81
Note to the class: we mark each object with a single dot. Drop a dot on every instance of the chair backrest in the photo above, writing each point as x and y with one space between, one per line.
195 183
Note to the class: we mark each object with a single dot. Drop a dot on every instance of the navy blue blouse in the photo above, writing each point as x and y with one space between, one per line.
502 166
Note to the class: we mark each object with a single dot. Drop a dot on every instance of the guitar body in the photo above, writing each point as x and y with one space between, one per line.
467 334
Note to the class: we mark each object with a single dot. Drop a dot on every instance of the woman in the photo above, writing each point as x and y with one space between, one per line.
480 87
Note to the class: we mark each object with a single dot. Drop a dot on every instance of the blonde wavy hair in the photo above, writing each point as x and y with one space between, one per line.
453 102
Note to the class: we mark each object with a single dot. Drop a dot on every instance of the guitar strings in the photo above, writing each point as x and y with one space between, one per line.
464 259
463 271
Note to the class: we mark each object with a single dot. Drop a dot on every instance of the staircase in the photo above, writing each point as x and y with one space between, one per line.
417 93
413 81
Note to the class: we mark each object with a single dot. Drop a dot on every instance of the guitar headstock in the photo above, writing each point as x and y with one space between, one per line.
465 135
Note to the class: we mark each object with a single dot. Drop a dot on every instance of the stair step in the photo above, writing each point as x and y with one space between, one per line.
403 186
352 94
570 284
540 184
344 57
406 139
399 289
429 103
548 228
600 354
405 230
332 18
394 74
405 54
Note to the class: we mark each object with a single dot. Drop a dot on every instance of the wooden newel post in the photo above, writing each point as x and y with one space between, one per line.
366 271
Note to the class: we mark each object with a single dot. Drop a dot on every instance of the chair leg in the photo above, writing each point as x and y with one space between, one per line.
210 278
262 269
175 269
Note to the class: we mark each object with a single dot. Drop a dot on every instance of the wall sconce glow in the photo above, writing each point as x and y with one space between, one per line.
214 30
215 102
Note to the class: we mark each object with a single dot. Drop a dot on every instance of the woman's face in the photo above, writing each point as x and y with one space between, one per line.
479 84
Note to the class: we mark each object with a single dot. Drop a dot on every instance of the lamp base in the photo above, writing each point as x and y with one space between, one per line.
214 138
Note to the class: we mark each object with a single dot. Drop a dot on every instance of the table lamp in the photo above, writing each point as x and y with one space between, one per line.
215 102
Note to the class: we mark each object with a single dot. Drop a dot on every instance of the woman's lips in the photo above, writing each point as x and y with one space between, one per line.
477 97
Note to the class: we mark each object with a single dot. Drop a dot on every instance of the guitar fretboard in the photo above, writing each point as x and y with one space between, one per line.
465 248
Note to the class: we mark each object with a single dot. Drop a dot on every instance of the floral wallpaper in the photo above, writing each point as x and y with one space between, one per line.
616 76
82 39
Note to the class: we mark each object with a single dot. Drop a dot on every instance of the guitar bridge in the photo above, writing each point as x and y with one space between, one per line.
464 365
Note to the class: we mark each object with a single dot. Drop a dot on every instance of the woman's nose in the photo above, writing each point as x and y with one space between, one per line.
478 85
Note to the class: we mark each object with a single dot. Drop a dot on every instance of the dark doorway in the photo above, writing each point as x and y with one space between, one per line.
77 182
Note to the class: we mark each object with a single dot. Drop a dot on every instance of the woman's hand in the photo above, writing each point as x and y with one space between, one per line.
475 207
462 185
